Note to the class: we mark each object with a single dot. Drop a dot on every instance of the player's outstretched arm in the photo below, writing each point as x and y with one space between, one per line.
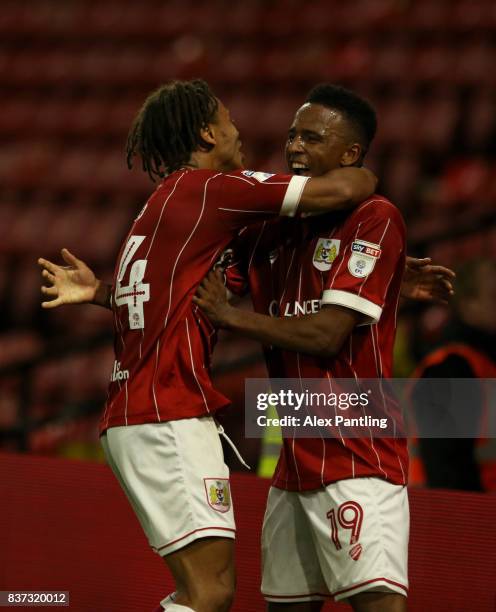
339 189
72 284
425 282
321 334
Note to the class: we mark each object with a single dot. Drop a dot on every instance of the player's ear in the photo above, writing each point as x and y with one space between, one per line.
207 134
352 155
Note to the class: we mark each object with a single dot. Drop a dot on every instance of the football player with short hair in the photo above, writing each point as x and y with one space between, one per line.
325 292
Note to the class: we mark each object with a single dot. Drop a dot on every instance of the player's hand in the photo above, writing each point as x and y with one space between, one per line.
211 297
71 284
427 283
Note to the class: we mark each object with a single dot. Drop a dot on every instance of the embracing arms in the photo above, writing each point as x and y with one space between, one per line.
338 189
77 284
321 334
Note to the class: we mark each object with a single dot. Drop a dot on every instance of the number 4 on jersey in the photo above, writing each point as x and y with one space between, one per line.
136 293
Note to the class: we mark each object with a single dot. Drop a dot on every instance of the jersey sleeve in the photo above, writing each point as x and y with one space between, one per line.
245 197
372 251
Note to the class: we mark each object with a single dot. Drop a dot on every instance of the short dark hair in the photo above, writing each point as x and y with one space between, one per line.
357 110
166 130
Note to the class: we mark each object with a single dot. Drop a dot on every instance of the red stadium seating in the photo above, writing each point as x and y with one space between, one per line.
481 119
469 15
18 346
74 75
474 62
429 16
392 61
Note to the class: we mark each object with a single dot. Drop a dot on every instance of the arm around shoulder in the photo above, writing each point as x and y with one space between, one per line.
339 189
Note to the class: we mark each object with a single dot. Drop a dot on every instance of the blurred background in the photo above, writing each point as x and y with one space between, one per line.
74 73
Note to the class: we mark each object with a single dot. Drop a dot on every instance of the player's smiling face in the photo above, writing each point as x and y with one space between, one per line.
319 140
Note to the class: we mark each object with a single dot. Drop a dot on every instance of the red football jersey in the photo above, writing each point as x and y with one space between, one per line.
163 343
354 260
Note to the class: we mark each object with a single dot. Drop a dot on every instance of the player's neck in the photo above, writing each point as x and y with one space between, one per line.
200 160
209 160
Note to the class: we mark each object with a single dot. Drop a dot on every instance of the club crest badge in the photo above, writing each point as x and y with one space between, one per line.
363 257
326 251
218 493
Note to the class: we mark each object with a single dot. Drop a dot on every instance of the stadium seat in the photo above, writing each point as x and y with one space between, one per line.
464 181
9 214
120 113
70 226
436 121
19 346
398 121
107 226
403 173
242 19
474 63
9 405
469 15
480 120
239 64
273 123
392 61
25 293
16 118
352 61
428 16
434 63
76 169
30 227
89 118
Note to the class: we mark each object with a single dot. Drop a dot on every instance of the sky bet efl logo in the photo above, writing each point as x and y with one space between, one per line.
366 248
363 257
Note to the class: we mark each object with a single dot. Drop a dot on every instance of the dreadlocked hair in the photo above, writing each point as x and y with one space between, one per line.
166 131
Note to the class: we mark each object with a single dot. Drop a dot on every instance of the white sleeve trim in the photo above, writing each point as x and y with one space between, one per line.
293 195
353 301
